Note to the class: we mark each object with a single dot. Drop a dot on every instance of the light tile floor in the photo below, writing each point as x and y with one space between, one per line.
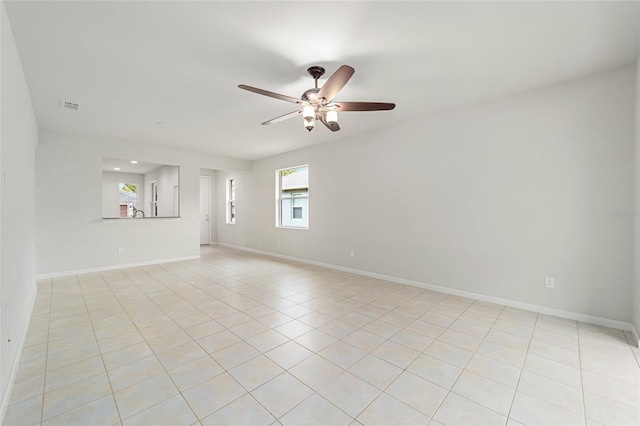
238 338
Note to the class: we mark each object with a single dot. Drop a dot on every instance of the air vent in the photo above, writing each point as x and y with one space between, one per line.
69 105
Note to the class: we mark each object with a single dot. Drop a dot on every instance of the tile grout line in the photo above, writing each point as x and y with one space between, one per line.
113 394
582 390
209 355
317 354
238 291
76 277
406 368
155 355
248 392
467 363
515 390
46 362
370 353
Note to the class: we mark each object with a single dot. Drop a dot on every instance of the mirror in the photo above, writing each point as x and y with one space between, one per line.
137 190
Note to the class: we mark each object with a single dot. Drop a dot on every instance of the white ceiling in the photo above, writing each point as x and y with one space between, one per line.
125 166
133 64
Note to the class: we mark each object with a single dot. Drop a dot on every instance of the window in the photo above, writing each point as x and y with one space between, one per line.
292 197
128 199
231 201
154 199
296 206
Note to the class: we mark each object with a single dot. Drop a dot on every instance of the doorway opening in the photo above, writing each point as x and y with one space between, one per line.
205 210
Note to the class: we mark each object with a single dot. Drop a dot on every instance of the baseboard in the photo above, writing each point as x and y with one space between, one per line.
636 336
6 397
112 267
605 322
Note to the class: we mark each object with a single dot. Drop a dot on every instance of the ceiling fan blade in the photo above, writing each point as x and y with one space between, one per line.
333 126
270 94
283 117
364 106
335 83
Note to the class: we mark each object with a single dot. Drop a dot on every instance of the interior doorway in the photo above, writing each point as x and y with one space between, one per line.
205 210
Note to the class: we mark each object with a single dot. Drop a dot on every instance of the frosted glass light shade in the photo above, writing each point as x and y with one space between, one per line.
309 114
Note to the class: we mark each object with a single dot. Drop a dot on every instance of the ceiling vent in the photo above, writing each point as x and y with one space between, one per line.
69 105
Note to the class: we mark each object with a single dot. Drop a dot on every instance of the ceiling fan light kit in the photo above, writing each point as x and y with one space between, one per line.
332 116
317 103
309 115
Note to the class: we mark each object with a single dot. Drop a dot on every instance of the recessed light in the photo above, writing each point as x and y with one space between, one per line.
116 168
134 162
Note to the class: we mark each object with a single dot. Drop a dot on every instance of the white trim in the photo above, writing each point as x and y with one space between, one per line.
506 302
230 199
112 267
636 336
14 368
301 228
154 198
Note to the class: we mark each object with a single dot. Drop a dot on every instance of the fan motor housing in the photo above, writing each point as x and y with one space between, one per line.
310 95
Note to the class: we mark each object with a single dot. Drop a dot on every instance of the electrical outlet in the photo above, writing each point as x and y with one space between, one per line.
120 250
549 282
278 242
352 253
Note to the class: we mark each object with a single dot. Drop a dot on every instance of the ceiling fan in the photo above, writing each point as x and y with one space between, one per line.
316 103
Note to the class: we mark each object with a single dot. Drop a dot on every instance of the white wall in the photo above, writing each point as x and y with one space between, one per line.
83 240
18 140
166 178
636 217
489 200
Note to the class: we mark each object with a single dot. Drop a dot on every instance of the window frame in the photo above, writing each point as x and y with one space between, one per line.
154 198
132 205
280 197
231 201
297 197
